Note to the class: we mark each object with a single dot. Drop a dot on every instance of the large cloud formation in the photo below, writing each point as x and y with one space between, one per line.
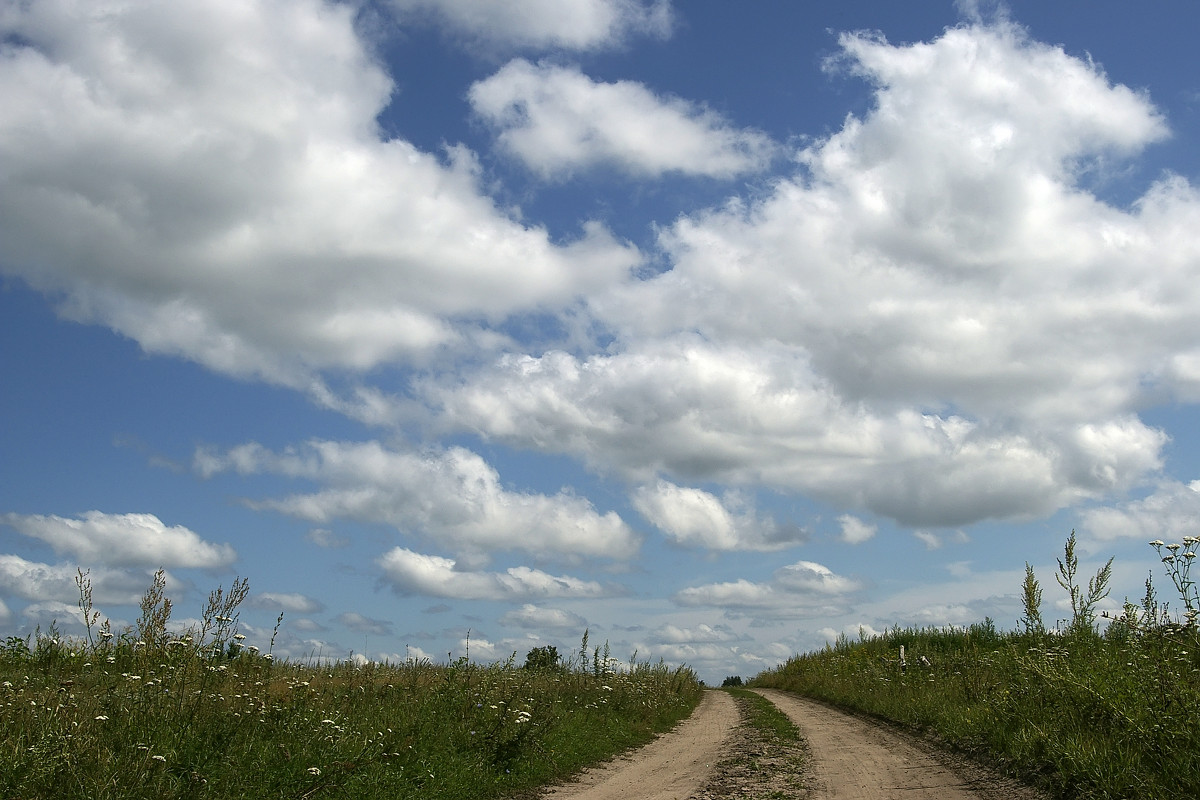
209 179
935 319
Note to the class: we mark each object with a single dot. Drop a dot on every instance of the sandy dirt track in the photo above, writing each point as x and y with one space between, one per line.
849 758
853 759
672 767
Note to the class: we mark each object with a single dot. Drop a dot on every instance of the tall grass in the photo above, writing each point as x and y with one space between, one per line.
195 715
1085 714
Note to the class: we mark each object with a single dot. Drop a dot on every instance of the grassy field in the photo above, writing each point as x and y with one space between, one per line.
148 713
1082 713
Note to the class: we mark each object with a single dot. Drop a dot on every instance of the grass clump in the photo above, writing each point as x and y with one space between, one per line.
1083 713
152 714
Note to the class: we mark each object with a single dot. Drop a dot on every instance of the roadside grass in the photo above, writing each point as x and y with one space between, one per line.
149 714
1082 713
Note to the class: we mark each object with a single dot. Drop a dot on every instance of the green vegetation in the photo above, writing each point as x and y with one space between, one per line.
147 713
768 721
1083 713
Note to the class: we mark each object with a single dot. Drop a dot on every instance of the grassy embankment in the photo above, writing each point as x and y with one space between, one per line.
153 714
1082 713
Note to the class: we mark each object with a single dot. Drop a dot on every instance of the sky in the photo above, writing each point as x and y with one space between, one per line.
716 330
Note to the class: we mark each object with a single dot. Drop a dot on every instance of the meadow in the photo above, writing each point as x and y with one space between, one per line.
1081 712
150 713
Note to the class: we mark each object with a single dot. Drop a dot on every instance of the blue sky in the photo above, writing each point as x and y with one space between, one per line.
715 329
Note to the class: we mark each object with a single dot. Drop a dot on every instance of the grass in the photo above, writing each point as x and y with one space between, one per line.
157 715
1081 713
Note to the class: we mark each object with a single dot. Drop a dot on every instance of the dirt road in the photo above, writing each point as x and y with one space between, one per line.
709 757
672 767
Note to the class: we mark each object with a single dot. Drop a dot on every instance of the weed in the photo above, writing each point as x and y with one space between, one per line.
155 714
1085 714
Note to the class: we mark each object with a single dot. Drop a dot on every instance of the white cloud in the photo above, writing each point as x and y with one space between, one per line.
800 589
854 530
306 625
569 24
758 414
286 601
929 539
852 632
558 120
935 541
452 496
874 330
32 580
1169 513
322 537
701 633
360 624
229 198
121 540
696 517
541 618
415 573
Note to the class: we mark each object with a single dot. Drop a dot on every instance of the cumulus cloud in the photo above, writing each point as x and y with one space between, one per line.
452 496
230 198
323 537
122 540
285 601
701 633
854 530
558 120
568 24
798 589
360 624
696 517
415 573
1168 513
759 414
535 617
935 541
873 331
32 580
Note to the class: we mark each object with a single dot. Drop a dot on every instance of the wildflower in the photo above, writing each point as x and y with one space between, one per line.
101 718
1173 547
239 636
1157 543
314 770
